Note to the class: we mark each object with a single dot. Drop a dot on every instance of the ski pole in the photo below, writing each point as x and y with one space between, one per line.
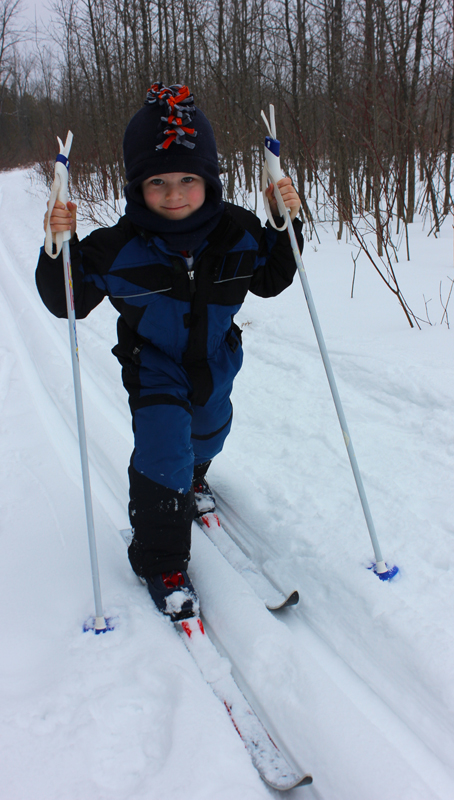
272 172
54 244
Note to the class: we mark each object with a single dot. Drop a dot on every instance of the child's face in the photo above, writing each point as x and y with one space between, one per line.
174 195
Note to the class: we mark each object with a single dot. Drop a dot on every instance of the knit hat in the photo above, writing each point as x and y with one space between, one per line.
169 134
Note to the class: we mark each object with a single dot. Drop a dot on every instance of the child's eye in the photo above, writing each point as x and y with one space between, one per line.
156 181
187 179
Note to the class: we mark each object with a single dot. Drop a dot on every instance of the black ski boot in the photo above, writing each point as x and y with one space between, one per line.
203 496
174 594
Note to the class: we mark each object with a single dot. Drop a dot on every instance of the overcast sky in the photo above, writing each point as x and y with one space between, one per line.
40 8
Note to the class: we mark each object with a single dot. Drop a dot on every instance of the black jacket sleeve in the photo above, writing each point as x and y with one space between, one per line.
90 260
279 267
50 282
276 264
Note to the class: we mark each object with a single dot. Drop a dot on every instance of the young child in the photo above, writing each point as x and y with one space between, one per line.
177 267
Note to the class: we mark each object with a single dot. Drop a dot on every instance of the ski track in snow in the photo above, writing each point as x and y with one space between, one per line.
357 681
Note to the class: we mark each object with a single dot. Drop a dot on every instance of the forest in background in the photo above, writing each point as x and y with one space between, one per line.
363 92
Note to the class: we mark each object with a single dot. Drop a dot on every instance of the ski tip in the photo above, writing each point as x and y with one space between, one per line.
289 782
293 599
99 624
385 575
290 600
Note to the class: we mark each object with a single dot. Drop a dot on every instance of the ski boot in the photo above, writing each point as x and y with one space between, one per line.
174 595
203 497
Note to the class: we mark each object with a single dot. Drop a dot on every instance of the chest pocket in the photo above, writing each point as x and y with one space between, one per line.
232 278
236 266
140 281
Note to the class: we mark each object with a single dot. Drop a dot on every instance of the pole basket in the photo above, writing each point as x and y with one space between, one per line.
99 624
387 575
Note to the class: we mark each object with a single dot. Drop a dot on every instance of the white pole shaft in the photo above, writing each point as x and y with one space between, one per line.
100 623
380 565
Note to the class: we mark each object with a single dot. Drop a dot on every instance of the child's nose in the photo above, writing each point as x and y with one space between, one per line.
173 191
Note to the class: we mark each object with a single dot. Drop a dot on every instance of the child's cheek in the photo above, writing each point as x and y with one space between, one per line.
198 195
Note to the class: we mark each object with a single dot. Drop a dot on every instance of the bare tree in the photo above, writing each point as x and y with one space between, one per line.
11 33
363 90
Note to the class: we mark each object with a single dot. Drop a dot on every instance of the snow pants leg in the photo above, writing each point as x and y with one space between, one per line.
171 438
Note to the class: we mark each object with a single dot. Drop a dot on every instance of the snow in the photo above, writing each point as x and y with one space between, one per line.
356 682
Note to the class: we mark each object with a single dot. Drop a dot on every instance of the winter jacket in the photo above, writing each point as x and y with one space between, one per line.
185 310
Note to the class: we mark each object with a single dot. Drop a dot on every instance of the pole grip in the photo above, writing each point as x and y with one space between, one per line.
54 241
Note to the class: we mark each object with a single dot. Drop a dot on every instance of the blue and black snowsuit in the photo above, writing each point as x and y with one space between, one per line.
179 349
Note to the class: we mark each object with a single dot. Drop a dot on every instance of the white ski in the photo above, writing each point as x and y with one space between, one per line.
268 759
271 764
229 545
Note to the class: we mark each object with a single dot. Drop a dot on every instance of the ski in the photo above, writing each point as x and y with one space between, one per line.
269 761
228 544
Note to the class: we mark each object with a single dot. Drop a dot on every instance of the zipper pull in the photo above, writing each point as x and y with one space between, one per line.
191 281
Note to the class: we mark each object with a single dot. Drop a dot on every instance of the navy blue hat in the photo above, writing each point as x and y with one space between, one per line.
169 134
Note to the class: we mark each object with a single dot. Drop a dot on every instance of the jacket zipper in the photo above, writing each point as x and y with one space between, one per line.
191 282
190 263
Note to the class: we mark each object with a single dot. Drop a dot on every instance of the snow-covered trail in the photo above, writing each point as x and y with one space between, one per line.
125 715
357 680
